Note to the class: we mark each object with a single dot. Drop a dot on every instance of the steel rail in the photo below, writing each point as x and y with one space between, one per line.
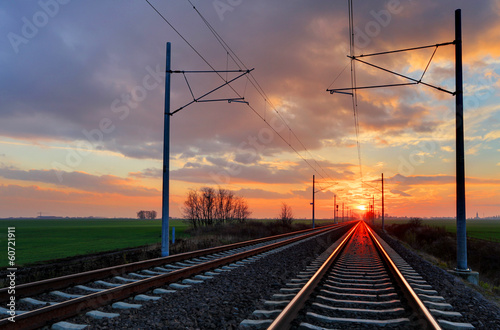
51 314
34 288
410 295
290 312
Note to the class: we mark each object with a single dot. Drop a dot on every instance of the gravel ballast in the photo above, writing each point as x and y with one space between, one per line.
222 302
227 299
476 309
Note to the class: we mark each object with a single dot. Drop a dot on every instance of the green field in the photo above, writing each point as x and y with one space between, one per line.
476 228
41 240
38 240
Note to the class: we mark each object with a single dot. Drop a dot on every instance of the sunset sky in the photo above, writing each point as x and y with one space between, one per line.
82 92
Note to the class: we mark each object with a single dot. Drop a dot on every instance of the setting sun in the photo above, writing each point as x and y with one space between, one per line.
361 207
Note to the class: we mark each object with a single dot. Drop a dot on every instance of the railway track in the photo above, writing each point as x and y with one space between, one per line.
50 301
359 282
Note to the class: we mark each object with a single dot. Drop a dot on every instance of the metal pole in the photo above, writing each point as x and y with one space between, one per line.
342 211
166 161
334 203
460 159
313 203
383 209
373 210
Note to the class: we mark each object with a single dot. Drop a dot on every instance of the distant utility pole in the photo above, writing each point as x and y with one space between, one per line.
383 210
313 192
342 211
334 203
373 210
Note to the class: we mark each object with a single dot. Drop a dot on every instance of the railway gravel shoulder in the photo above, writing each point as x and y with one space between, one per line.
476 309
222 302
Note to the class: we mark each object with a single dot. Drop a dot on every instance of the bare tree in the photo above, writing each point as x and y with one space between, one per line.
241 211
192 208
228 206
220 198
141 215
209 206
286 214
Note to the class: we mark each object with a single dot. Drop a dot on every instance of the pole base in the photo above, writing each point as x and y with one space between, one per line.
467 274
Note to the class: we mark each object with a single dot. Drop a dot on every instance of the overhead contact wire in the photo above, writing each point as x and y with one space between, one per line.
354 85
259 89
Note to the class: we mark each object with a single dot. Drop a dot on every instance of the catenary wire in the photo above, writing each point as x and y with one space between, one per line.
353 86
254 83
263 94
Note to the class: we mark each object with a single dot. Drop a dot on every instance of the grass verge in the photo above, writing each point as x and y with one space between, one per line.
39 241
476 228
440 244
42 240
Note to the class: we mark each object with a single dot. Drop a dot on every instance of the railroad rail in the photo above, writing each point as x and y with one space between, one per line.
359 282
92 289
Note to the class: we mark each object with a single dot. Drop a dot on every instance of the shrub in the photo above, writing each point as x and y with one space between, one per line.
415 222
482 256
286 215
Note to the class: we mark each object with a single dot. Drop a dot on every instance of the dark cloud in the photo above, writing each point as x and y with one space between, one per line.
400 193
192 165
37 193
235 172
91 60
405 183
147 173
247 157
261 193
307 194
421 179
106 184
221 171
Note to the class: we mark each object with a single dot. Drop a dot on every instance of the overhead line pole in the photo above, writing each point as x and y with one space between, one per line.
166 137
383 210
334 203
313 204
460 157
373 210
166 160
342 212
462 267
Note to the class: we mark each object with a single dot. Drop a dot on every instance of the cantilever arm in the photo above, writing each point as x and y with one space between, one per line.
213 90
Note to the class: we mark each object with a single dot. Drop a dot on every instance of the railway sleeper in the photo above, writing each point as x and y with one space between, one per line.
370 322
368 297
